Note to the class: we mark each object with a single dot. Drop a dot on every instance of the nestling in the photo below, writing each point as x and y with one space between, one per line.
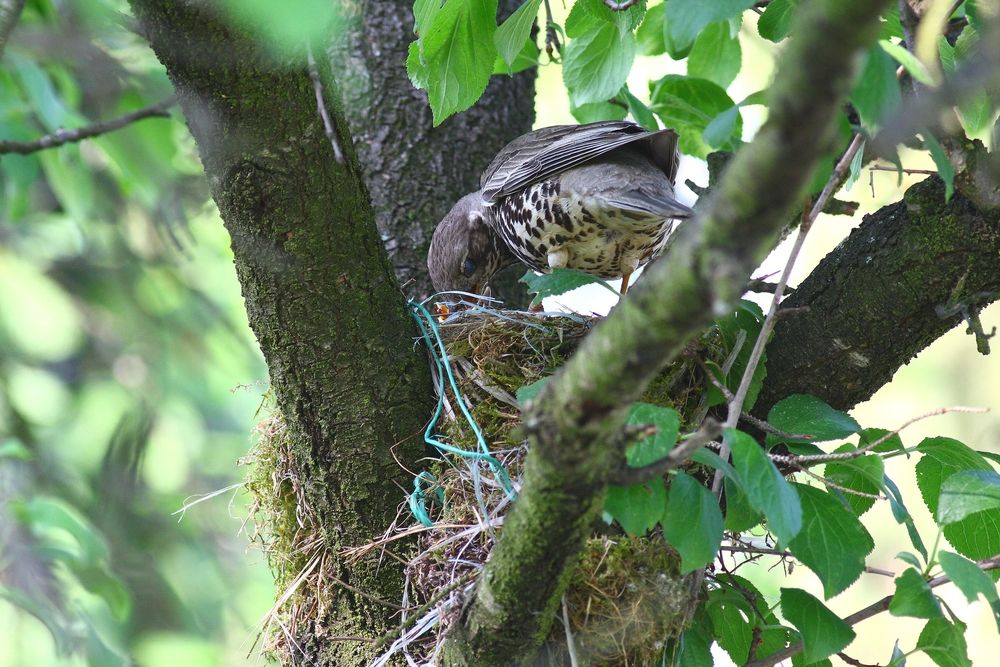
597 197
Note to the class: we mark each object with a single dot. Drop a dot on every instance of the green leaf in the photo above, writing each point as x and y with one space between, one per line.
801 414
732 622
637 507
459 54
774 23
876 91
625 20
652 449
649 36
692 523
889 444
512 34
862 474
596 64
909 62
526 59
902 515
898 658
688 105
766 489
720 130
424 12
944 643
12 448
640 112
913 597
772 635
685 19
966 493
529 391
694 647
855 172
909 558
832 542
945 169
968 577
823 633
977 535
709 458
742 325
44 515
971 580
716 55
891 26
559 281
597 111
740 514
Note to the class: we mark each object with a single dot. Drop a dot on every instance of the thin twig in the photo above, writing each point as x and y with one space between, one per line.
803 460
765 551
866 613
879 167
331 132
552 44
62 136
736 405
10 12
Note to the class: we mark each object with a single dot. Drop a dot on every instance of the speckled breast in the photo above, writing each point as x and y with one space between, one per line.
597 238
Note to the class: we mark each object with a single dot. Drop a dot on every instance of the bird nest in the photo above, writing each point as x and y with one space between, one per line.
626 595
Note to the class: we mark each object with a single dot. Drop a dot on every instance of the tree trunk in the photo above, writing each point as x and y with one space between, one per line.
326 310
415 171
898 283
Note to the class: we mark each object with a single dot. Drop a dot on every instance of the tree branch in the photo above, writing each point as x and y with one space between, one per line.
702 275
61 136
871 610
874 301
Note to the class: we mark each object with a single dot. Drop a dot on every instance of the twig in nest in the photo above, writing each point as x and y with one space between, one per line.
62 136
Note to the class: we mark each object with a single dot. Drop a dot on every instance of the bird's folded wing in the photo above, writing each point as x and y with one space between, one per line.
551 150
655 204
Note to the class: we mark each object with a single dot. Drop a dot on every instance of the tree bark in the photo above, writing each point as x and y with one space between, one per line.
323 303
894 286
415 171
571 421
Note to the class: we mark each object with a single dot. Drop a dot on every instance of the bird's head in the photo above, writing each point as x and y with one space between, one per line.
465 253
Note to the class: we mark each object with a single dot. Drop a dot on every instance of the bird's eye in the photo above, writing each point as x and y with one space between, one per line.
468 267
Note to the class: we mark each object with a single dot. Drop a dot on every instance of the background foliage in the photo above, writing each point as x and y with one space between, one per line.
123 338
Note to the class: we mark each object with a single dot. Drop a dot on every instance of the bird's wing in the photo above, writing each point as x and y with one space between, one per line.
551 150
655 204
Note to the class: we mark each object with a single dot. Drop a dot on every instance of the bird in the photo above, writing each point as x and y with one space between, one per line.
597 197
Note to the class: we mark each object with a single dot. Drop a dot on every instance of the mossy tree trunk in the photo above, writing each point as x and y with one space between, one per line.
322 301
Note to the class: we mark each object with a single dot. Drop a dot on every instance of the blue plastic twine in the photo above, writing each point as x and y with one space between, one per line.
431 335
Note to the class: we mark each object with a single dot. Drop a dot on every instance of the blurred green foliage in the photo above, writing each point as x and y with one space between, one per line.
122 340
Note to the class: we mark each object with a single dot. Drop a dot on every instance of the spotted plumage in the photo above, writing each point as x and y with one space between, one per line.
596 197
